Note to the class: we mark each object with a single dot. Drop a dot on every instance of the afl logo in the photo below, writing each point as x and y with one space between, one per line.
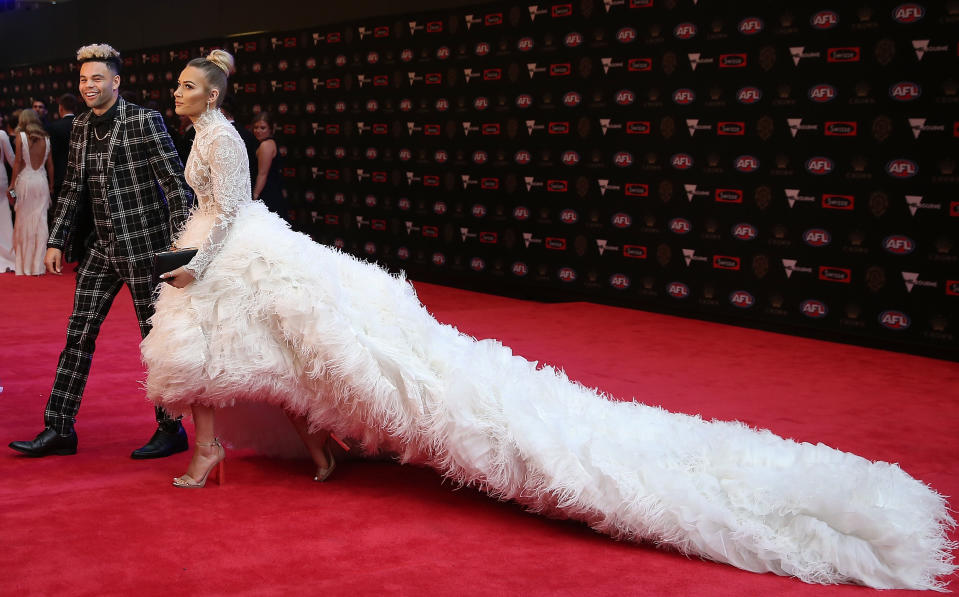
750 26
373 57
480 157
902 168
339 198
908 13
371 153
520 269
749 95
681 161
439 208
677 290
746 164
479 210
406 104
403 253
477 264
822 93
524 101
685 31
626 35
570 158
897 244
625 97
745 231
573 39
439 259
813 309
370 200
441 156
905 91
622 220
521 213
684 96
372 105
523 157
819 165
817 237
525 44
404 204
406 56
568 216
567 274
482 49
340 60
619 281
339 152
481 103
311 108
572 99
623 159
283 108
824 19
742 299
369 248
405 155
894 320
442 104
339 243
442 53
680 226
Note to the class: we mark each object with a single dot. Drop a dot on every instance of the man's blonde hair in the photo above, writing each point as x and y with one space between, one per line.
100 53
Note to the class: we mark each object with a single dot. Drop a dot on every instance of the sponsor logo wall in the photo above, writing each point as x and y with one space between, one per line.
782 164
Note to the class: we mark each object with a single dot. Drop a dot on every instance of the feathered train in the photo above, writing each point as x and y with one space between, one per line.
280 320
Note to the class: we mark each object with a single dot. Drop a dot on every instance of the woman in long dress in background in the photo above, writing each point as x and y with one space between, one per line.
33 182
7 263
264 317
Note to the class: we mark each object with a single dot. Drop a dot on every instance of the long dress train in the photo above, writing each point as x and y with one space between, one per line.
31 230
276 319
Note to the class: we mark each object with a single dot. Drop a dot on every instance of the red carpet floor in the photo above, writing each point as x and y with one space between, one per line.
99 523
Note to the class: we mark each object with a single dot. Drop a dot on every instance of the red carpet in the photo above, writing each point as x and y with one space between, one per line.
99 523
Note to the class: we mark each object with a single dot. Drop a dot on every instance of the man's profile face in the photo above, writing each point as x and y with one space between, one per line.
98 85
40 108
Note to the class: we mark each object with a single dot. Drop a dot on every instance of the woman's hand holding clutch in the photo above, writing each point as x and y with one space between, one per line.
178 278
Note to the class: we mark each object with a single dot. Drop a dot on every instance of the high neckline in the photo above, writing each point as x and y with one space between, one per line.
207 119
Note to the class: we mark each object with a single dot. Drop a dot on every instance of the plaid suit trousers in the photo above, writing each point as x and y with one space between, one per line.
99 279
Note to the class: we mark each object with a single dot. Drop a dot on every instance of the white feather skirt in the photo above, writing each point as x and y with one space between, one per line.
280 321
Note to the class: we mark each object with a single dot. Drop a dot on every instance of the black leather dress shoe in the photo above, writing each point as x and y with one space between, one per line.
162 444
48 442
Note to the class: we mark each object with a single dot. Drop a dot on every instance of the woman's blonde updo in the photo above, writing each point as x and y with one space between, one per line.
216 67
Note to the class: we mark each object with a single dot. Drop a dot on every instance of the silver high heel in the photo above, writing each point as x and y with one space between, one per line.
187 482
322 474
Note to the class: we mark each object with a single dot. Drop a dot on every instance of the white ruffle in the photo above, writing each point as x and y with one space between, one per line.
279 320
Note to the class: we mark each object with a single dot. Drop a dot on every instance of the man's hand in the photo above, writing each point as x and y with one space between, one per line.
178 278
54 261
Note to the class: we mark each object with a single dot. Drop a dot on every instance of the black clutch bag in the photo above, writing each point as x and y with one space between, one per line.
167 261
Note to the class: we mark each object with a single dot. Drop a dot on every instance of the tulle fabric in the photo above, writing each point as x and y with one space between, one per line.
279 322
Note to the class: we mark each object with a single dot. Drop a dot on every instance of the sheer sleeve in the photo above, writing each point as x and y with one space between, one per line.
229 182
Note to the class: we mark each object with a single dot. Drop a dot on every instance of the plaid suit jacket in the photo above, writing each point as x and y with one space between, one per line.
148 196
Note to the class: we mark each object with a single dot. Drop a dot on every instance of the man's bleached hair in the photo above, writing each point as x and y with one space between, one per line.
100 53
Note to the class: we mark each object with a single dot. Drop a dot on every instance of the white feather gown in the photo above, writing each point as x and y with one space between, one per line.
276 319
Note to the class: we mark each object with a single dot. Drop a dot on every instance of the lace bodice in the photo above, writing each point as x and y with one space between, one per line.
218 169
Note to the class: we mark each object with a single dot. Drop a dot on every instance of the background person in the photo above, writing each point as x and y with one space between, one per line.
33 182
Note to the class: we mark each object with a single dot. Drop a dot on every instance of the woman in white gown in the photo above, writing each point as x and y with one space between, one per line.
33 182
263 315
6 219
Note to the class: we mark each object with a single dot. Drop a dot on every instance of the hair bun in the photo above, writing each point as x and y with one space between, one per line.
223 60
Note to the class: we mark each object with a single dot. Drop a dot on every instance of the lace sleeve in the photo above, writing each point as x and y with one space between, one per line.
230 186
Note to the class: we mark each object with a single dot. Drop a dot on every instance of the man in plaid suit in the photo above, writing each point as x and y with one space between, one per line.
123 169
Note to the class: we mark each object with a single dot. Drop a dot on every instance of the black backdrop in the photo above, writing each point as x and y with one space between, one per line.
782 165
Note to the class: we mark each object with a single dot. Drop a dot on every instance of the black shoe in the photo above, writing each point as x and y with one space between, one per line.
48 442
162 444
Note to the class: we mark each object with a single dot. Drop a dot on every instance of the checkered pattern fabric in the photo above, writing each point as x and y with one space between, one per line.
147 198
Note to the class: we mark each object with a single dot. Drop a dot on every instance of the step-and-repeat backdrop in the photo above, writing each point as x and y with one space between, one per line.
780 164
